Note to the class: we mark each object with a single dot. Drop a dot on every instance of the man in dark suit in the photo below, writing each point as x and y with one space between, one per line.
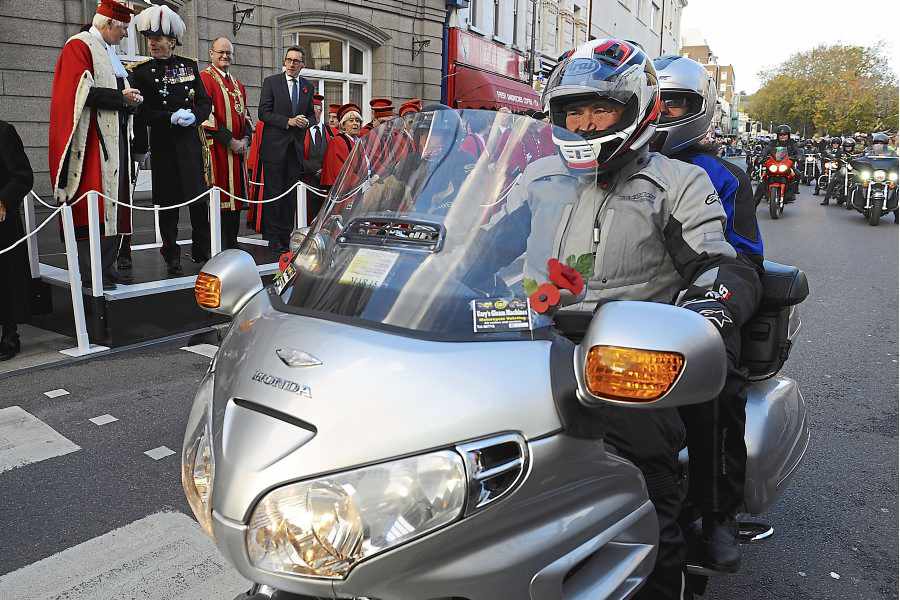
314 146
286 107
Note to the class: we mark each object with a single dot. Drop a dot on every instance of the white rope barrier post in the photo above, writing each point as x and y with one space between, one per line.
215 220
302 218
33 256
96 264
81 335
156 228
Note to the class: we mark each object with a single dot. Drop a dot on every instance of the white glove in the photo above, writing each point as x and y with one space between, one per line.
177 116
187 119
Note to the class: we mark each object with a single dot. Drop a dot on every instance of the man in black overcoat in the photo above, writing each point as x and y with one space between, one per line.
16 179
286 107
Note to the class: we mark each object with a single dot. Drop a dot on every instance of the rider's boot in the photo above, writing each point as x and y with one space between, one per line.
824 201
721 549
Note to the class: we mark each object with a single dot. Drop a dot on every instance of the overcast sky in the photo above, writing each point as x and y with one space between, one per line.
756 35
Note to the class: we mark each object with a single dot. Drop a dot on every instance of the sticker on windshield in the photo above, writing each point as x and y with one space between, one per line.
282 279
493 315
369 267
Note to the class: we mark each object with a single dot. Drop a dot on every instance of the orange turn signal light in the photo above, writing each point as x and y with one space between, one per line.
631 374
208 291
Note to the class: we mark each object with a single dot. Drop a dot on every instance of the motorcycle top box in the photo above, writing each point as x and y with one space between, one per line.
397 417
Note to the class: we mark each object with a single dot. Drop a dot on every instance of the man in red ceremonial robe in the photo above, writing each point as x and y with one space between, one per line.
90 126
228 131
350 120
382 110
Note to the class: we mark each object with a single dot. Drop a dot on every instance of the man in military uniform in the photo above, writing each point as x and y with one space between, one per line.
175 105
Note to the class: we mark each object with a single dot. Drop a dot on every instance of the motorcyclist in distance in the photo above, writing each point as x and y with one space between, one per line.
835 152
650 228
715 429
880 146
782 140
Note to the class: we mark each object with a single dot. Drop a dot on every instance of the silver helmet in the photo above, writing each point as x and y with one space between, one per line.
688 103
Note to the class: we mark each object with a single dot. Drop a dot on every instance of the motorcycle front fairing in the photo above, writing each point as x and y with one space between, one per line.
393 341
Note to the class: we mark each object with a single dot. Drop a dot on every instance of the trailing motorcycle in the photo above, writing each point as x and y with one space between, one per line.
777 176
874 189
832 166
400 416
811 169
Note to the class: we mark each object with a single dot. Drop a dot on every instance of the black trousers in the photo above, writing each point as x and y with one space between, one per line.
715 440
231 224
108 248
651 440
279 216
168 228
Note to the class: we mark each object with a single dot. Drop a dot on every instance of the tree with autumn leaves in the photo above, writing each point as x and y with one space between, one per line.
830 89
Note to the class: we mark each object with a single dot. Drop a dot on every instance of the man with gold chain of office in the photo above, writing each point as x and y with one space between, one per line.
228 132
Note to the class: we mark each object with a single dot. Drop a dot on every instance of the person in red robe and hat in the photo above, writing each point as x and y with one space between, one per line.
228 131
90 127
333 121
382 110
350 119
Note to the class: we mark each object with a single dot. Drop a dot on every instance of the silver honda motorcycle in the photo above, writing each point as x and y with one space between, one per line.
402 415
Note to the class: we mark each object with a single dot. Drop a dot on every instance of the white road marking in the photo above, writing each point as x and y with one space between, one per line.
164 556
207 350
103 419
158 453
25 439
56 393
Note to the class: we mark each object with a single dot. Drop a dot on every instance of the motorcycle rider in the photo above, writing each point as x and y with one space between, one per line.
834 153
782 140
848 145
660 224
880 146
715 429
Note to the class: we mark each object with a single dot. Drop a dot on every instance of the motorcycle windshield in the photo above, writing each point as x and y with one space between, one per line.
442 226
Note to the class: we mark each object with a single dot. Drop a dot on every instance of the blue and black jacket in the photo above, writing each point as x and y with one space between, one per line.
736 193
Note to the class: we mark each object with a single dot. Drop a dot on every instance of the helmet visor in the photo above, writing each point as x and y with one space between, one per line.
679 106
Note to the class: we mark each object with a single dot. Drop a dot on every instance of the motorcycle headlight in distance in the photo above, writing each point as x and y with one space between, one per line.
782 168
893 176
323 527
197 461
773 168
864 175
879 175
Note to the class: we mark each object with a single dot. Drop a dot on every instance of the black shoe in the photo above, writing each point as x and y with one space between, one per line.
123 263
109 283
9 347
823 203
173 267
199 257
721 549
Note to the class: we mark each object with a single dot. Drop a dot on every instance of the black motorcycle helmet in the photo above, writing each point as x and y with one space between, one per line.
836 142
783 130
879 143
849 144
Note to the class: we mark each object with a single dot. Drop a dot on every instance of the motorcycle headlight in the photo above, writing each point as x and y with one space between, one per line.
323 527
297 237
197 461
831 165
879 175
864 175
773 168
893 176
312 253
782 168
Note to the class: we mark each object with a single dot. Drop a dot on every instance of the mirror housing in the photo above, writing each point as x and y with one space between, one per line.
232 275
659 330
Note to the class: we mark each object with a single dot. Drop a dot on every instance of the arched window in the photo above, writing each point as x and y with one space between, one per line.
339 66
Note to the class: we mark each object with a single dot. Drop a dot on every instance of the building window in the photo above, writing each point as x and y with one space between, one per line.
515 29
134 47
723 88
724 75
642 10
655 17
473 13
339 68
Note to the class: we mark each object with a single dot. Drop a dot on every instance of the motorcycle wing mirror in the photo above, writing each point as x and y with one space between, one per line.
649 355
227 282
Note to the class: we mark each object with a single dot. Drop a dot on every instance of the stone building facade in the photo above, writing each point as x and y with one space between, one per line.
356 50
